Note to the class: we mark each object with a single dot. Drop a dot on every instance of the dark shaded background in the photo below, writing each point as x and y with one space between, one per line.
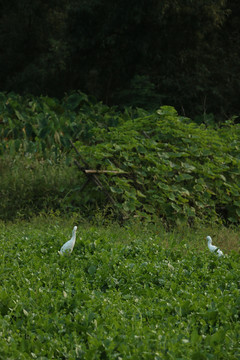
127 52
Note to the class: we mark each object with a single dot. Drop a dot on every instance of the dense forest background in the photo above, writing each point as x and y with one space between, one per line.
143 53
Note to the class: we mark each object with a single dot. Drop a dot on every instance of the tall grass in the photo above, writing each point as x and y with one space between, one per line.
29 186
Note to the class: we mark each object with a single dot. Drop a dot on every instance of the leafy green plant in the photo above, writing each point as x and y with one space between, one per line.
39 124
170 167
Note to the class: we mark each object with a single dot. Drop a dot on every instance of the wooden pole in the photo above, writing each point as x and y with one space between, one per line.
97 182
104 172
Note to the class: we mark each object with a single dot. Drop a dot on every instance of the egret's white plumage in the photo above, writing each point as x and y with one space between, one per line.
213 248
69 245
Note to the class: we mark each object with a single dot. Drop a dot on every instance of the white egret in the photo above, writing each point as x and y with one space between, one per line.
213 248
69 245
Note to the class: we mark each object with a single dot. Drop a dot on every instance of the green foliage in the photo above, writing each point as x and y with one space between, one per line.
123 293
173 168
140 92
169 166
38 124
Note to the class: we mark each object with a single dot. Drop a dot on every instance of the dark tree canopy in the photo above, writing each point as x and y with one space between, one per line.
140 52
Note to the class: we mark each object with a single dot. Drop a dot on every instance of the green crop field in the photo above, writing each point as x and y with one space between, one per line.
132 292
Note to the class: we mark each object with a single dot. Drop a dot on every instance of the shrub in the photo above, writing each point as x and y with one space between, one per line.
173 167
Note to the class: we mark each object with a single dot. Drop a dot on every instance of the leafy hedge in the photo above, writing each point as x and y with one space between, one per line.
170 166
39 124
174 168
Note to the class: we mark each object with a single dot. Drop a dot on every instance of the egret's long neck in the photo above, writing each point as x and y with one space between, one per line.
74 236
